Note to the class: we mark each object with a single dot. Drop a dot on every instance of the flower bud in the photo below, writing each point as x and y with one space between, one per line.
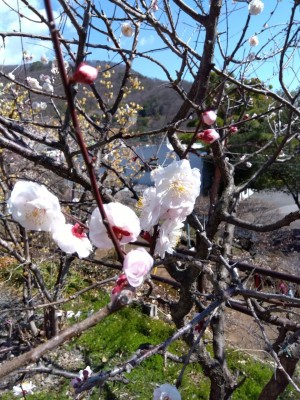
255 7
85 74
137 264
208 136
209 117
253 41
127 30
233 129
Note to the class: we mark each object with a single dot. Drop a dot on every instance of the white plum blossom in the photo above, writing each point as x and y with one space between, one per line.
124 222
169 235
44 59
33 83
47 87
72 239
169 202
70 314
34 207
251 56
253 41
166 392
255 7
248 164
83 375
26 56
177 185
11 76
137 264
39 105
77 316
150 213
23 389
127 29
54 67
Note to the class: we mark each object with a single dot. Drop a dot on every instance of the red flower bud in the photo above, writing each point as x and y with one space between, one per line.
233 129
85 74
208 136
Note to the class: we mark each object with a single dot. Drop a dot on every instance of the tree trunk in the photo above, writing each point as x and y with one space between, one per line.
289 355
279 381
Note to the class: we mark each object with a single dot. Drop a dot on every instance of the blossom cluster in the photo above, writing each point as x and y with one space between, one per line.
165 208
34 207
46 83
169 202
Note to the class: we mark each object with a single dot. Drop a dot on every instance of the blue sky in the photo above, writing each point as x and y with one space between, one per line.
267 25
275 15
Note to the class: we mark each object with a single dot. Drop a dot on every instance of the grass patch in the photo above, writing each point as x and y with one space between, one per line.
118 337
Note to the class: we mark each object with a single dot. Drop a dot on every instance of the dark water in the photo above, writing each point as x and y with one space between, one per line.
161 155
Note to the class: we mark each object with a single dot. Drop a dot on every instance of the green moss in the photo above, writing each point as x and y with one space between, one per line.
256 372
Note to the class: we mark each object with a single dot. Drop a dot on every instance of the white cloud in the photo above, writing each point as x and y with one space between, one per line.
11 49
146 41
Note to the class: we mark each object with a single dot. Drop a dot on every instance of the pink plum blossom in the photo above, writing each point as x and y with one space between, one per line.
154 6
137 264
124 222
85 74
208 136
166 392
34 207
209 117
72 239
23 388
127 29
255 7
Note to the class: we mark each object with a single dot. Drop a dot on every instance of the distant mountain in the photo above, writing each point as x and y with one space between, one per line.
159 101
